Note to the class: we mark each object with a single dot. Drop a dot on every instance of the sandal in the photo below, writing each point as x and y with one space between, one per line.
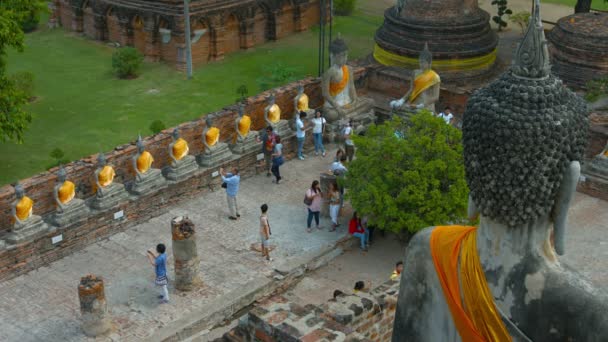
309 230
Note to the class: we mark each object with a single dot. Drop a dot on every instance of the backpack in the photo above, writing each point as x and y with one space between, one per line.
307 200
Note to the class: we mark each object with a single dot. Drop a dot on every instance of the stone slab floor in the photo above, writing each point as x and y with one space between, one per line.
43 305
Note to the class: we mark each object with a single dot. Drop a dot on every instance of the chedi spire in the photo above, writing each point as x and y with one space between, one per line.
531 59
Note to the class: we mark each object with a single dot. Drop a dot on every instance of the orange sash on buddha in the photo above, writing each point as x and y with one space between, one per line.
244 125
336 88
144 162
303 103
23 209
475 315
180 149
212 136
274 113
423 82
106 176
66 192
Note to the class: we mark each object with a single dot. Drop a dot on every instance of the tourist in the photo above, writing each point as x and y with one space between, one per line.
349 145
232 181
337 293
359 286
300 134
277 159
334 205
265 232
446 115
268 142
339 170
397 272
158 259
314 196
355 229
317 132
339 154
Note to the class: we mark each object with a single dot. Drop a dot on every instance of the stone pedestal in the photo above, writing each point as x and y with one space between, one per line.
214 156
184 169
361 113
150 181
187 262
30 229
247 145
458 34
112 195
282 129
326 178
579 48
75 211
96 320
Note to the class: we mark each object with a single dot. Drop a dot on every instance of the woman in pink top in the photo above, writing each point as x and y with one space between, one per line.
314 194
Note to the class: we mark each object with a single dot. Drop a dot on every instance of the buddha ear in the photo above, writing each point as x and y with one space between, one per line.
559 213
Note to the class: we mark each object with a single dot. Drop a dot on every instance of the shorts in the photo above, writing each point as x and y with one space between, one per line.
161 281
263 240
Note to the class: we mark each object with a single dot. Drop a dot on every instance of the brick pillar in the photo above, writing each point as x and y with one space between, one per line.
100 27
274 25
93 306
54 14
126 33
326 178
299 19
217 39
77 25
186 258
246 33
152 52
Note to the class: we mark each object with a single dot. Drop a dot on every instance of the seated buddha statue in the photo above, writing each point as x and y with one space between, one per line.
142 161
64 191
300 102
104 175
178 149
272 112
242 124
211 135
22 207
424 86
216 152
338 84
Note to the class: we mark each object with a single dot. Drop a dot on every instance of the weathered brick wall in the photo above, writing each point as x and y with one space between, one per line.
89 22
356 317
113 28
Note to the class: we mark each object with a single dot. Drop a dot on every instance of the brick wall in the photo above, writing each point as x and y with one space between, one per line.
356 317
15 260
89 22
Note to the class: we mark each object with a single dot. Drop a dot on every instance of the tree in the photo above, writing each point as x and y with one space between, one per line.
126 62
26 12
409 175
13 119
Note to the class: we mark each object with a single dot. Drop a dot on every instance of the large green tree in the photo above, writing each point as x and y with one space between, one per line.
13 119
409 174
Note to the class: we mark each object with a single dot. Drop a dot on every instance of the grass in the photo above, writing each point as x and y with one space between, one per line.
83 109
595 4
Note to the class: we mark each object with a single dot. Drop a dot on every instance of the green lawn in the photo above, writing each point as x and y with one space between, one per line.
82 108
595 4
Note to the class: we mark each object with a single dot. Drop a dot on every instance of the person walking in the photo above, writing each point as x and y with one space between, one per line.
349 145
314 197
334 205
317 132
232 181
355 229
300 134
265 232
158 259
268 141
277 159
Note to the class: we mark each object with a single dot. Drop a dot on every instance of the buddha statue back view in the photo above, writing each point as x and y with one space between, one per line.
26 224
108 193
245 139
70 210
182 165
216 152
147 179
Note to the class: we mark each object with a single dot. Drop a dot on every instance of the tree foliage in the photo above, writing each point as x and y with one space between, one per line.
25 12
502 10
127 61
409 175
13 119
344 7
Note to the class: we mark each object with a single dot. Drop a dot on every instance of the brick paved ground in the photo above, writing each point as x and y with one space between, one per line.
43 305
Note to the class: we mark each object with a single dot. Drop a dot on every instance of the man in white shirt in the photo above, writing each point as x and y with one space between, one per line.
317 132
300 134
446 115
349 145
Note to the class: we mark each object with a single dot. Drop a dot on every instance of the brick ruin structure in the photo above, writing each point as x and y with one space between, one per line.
156 27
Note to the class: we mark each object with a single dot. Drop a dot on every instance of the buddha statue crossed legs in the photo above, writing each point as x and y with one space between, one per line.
69 208
147 179
272 116
245 139
108 193
301 102
215 152
182 165
26 224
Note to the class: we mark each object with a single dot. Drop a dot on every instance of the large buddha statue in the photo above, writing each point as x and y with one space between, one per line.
424 86
108 193
182 165
523 136
245 139
341 102
272 116
300 102
69 209
147 179
215 152
26 224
